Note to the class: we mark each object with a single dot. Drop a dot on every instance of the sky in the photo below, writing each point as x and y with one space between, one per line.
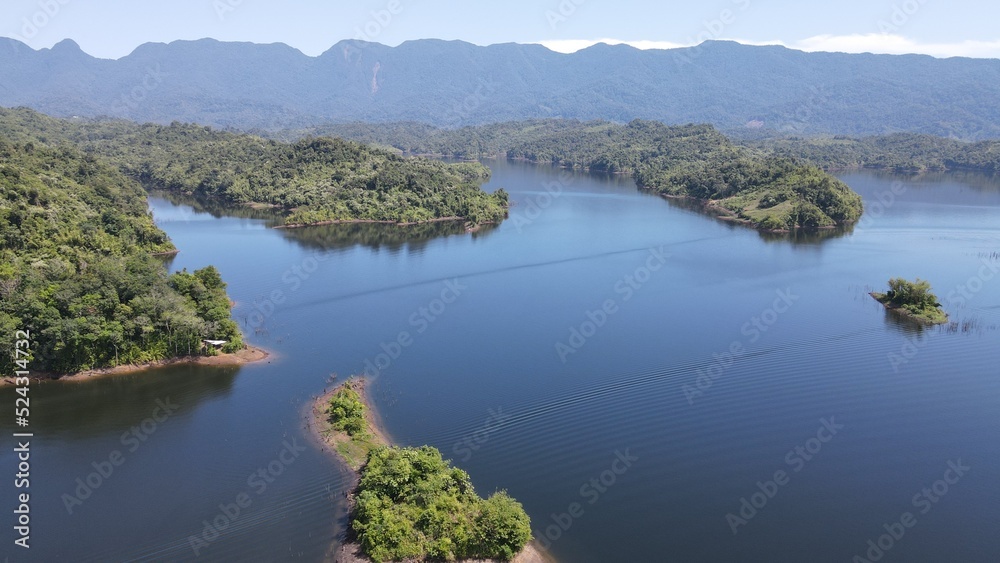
112 29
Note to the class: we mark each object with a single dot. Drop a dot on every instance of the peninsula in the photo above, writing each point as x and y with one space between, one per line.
695 162
315 180
409 503
82 270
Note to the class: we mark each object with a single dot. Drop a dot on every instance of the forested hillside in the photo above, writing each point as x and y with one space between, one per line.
453 84
904 152
315 179
695 161
77 240
78 272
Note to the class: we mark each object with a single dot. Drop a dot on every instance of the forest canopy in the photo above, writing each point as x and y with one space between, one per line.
315 179
695 161
901 152
78 272
78 243
413 505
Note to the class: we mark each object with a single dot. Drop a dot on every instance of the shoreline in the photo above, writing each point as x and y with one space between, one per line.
248 355
330 440
907 314
716 211
166 253
367 221
469 227
709 207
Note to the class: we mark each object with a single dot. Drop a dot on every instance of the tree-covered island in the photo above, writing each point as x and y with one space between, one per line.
913 300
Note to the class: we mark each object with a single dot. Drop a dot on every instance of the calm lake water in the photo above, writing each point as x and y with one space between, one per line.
630 370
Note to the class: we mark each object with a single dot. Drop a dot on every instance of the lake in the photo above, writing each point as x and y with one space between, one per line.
652 384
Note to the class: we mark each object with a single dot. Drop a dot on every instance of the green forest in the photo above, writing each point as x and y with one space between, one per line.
315 179
772 192
78 269
79 245
901 152
413 505
915 298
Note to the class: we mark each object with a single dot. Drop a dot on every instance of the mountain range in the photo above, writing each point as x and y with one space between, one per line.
749 89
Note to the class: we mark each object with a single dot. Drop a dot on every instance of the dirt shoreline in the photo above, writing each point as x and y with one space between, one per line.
248 355
349 550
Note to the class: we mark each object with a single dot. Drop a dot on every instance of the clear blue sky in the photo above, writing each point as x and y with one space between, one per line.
111 29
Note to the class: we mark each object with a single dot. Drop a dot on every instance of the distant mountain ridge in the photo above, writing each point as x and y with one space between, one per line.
452 83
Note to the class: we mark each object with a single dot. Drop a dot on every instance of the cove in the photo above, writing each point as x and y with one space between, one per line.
348 292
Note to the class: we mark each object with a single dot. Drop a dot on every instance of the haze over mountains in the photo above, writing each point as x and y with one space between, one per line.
452 83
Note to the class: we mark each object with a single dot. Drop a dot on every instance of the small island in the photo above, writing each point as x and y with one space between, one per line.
410 504
912 300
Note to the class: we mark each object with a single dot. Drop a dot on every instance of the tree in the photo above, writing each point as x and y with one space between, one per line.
502 527
903 293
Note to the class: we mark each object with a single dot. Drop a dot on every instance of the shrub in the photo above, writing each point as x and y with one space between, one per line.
413 504
771 223
346 412
914 296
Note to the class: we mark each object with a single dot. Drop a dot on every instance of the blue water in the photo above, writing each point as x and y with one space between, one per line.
628 369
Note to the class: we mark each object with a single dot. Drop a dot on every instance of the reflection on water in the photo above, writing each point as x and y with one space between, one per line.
807 236
526 286
218 208
379 236
905 325
84 408
970 179
797 237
